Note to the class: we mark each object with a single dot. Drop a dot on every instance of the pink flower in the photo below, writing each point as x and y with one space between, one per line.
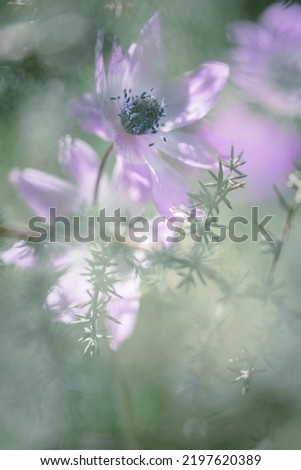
143 115
41 191
267 58
269 148
71 294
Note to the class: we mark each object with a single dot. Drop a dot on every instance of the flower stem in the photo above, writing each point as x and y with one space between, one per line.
23 234
284 234
19 234
100 171
125 409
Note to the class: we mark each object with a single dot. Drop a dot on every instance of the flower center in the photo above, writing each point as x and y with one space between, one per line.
141 114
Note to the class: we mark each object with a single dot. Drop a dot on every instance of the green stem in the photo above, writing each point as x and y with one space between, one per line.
124 404
125 409
284 234
100 171
19 234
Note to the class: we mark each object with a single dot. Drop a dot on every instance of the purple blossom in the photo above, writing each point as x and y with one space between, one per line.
41 191
33 256
79 163
268 58
71 294
269 148
142 114
21 254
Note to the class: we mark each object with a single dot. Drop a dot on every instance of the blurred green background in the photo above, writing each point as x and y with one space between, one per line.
171 387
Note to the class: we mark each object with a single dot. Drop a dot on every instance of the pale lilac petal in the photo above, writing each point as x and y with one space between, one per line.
124 309
121 193
63 255
159 236
87 112
267 58
189 148
190 97
133 179
100 73
169 190
146 59
21 254
37 256
118 72
41 191
81 163
249 34
68 296
269 148
283 19
132 147
116 61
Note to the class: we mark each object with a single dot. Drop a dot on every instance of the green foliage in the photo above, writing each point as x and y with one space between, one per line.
227 179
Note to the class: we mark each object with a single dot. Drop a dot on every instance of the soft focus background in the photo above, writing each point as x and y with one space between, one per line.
173 371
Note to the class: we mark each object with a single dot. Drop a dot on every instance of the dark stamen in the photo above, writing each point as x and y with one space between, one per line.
141 114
